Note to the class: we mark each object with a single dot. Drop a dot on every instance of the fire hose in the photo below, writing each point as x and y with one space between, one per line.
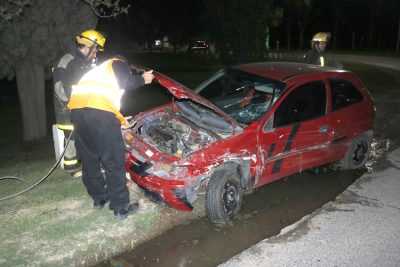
51 170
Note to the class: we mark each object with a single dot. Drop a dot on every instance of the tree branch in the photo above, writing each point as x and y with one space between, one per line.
107 8
12 8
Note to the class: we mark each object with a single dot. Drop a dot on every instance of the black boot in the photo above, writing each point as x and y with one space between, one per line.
99 204
122 213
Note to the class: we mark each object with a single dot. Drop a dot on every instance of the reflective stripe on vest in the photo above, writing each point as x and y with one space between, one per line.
70 162
65 127
98 89
322 60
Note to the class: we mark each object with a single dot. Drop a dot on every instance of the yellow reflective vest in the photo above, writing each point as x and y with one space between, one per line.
98 89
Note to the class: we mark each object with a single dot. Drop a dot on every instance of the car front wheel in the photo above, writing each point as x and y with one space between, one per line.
224 196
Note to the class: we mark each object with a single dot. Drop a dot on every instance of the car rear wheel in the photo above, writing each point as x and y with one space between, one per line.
224 195
357 154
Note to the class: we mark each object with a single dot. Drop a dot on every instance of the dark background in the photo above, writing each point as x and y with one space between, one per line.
237 31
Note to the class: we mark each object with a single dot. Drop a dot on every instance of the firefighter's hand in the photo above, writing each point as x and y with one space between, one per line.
148 76
130 122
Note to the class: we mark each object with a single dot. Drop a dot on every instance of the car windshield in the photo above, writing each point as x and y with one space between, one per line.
243 96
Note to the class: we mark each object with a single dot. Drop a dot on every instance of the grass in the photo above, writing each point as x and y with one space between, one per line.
55 224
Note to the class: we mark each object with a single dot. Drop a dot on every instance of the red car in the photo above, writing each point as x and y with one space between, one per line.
247 126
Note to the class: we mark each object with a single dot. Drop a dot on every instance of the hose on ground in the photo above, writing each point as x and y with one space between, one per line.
12 178
38 181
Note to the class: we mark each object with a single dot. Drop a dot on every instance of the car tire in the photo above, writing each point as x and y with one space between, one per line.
357 153
224 195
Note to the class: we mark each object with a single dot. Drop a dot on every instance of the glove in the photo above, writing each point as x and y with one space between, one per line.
130 122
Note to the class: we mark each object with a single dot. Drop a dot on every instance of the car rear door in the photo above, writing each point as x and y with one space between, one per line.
296 135
349 114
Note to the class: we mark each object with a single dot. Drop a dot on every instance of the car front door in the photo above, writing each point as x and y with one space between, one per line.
296 135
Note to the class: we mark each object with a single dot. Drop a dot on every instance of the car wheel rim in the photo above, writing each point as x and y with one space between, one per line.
360 153
230 198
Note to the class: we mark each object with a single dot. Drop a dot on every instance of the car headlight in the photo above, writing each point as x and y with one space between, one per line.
168 170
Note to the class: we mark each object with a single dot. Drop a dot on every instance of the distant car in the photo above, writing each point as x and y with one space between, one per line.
245 127
199 46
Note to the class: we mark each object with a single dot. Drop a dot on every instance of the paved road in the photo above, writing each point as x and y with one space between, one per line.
359 228
386 62
379 61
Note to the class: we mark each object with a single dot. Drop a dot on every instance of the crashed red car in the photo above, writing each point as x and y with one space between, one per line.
247 126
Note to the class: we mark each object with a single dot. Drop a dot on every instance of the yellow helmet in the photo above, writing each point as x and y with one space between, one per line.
321 37
90 38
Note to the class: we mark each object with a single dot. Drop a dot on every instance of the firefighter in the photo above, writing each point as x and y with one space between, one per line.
95 113
319 43
67 72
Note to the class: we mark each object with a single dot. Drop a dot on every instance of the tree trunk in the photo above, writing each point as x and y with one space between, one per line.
335 33
301 36
31 91
398 37
289 34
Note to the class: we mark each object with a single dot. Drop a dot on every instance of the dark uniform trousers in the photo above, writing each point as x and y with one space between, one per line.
100 145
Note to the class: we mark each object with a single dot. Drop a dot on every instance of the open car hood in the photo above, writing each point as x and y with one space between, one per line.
182 92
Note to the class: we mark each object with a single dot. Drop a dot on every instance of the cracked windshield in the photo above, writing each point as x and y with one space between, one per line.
243 96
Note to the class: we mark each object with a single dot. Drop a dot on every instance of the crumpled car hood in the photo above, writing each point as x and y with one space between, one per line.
182 92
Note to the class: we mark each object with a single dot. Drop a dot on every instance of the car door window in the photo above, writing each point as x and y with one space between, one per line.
304 103
343 94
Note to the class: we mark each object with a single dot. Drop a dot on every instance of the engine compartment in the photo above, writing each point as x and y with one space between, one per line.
173 134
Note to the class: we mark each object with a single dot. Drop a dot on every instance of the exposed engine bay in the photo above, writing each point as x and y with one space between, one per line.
173 134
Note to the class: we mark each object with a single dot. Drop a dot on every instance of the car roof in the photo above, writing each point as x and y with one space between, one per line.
283 71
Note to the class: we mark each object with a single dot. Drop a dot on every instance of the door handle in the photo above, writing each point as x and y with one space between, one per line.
324 129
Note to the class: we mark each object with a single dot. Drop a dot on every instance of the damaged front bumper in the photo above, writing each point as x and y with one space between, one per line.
173 192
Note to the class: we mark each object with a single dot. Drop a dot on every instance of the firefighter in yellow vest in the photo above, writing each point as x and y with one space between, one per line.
68 70
95 113
316 54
